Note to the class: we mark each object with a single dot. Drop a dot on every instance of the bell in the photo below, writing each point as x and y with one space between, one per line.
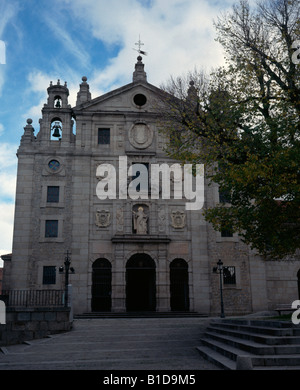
56 131
57 104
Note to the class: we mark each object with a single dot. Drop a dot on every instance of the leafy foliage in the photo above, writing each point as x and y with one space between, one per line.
243 122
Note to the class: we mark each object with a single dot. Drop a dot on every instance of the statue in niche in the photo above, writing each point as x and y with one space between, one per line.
140 221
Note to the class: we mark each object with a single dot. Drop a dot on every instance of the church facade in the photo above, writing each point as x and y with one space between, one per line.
128 253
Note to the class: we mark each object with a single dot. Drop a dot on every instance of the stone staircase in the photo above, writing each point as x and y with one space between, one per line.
139 314
252 344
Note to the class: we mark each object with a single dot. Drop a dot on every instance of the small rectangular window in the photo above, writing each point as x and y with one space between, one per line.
226 233
229 275
51 228
103 136
49 274
52 194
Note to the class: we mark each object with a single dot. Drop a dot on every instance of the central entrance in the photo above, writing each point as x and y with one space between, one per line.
140 283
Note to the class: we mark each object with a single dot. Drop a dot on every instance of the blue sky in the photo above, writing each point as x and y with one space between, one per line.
68 39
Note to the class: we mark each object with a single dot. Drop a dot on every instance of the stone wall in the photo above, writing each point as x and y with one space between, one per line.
28 324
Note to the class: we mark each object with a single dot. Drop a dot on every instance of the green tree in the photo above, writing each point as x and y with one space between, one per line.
243 123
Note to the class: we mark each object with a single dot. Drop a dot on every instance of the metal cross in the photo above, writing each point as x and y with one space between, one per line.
139 43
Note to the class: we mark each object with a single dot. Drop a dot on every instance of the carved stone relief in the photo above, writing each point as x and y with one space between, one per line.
178 219
103 218
161 219
120 219
140 136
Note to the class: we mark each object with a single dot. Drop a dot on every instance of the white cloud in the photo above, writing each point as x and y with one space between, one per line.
8 12
8 185
8 164
8 159
6 228
178 36
70 43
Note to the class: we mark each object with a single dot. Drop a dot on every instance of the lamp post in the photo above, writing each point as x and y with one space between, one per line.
67 270
219 268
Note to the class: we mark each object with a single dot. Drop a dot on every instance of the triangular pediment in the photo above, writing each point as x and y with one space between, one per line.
122 99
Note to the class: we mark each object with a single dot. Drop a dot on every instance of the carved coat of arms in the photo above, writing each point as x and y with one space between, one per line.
102 218
178 219
140 136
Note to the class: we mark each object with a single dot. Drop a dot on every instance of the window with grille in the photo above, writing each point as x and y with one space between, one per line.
51 228
226 233
52 194
103 136
49 274
229 275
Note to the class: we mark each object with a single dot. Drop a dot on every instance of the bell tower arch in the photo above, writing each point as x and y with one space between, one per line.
56 125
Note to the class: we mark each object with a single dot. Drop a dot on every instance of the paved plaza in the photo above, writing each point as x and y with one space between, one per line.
114 344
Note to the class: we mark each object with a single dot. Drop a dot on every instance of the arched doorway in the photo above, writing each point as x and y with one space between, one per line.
140 283
101 285
179 285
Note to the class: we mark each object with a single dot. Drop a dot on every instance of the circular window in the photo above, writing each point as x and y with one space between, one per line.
54 165
140 99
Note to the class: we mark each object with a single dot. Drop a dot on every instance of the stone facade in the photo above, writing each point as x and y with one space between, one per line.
165 264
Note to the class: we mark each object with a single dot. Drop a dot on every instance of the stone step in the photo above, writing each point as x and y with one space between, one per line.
223 349
254 343
258 323
216 351
276 361
259 329
94 315
216 358
257 337
253 346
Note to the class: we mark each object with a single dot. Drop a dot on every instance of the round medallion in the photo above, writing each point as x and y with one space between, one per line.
140 136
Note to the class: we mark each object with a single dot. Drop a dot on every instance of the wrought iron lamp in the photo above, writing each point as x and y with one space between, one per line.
219 269
67 269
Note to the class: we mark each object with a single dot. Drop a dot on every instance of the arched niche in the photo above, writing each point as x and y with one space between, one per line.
56 129
57 102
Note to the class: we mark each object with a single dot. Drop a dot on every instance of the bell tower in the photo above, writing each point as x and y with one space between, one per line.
56 125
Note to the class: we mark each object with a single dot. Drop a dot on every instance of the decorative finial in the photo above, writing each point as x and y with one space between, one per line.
29 121
84 79
58 82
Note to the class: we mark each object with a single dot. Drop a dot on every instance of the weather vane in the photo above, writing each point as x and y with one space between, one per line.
139 44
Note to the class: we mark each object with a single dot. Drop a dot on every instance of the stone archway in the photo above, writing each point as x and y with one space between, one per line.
101 285
140 283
